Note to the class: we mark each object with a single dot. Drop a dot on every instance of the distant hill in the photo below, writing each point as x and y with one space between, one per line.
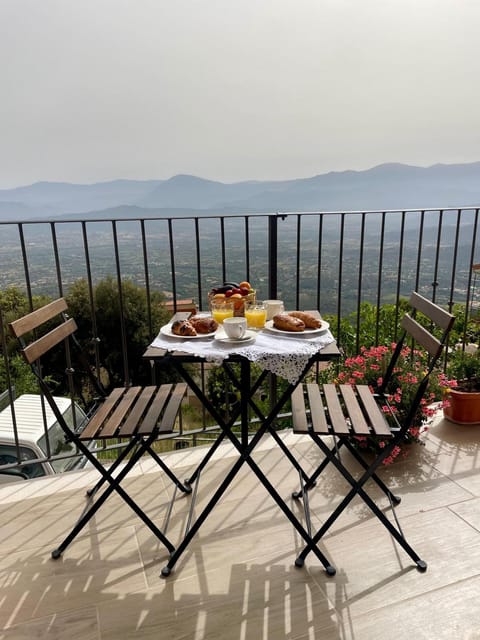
386 186
14 209
54 198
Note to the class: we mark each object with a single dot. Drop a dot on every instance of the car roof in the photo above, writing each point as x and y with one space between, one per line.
29 417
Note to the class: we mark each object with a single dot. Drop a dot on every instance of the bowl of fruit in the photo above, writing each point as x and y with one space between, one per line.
236 292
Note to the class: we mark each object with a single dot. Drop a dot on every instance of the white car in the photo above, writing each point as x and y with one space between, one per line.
32 439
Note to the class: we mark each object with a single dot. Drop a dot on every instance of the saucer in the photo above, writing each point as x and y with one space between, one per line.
249 336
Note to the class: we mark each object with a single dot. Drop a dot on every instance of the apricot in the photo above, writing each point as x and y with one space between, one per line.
237 300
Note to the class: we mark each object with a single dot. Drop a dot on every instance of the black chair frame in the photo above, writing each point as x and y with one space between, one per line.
343 411
140 416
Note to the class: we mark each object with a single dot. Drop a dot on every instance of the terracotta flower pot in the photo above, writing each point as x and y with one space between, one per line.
463 407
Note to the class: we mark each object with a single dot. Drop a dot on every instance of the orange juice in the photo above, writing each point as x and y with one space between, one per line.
255 315
222 311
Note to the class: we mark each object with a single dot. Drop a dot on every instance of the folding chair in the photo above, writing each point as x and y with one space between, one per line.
346 411
136 415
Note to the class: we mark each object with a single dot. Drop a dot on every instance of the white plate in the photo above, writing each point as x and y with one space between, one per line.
306 332
166 330
248 337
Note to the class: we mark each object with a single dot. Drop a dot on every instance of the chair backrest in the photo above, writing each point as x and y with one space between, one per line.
416 335
37 339
34 320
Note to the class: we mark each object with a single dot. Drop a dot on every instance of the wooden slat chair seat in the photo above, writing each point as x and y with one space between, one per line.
129 412
346 411
137 415
338 410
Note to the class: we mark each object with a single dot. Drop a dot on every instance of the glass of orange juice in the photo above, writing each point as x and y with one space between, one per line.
222 310
256 314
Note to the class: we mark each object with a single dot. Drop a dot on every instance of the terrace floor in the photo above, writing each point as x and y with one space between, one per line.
237 580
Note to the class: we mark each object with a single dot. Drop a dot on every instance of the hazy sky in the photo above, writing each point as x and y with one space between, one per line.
93 90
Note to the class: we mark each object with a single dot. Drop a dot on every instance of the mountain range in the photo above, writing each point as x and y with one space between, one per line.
386 186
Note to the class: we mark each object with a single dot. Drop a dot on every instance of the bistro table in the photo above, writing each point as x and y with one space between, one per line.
289 356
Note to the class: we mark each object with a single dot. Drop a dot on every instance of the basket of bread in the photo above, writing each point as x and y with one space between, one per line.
236 292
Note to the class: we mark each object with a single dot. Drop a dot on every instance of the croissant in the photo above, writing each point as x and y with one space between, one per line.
183 328
286 322
311 322
204 324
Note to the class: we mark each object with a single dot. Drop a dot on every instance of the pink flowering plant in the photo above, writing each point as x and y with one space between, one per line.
369 368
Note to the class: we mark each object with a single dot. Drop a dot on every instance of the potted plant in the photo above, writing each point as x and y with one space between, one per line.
462 398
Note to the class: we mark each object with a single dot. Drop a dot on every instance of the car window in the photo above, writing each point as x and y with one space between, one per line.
58 444
8 455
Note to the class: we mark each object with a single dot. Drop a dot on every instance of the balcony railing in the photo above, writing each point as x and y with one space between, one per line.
332 261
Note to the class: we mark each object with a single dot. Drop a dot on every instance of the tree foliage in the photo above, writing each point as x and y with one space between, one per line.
14 370
121 338
374 326
225 396
114 340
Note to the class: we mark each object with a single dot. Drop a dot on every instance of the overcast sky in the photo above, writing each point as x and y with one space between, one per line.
93 90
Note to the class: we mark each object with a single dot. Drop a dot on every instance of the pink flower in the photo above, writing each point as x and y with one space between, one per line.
369 366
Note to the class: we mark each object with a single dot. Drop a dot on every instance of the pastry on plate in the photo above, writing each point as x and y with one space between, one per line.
311 321
286 322
204 324
183 328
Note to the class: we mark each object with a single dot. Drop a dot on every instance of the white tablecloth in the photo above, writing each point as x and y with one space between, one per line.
283 356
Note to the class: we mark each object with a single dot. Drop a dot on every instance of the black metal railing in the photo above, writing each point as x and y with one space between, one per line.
332 261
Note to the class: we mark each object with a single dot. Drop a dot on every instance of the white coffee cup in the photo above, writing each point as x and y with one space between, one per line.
235 327
273 307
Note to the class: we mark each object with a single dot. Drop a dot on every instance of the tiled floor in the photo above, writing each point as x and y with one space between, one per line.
237 580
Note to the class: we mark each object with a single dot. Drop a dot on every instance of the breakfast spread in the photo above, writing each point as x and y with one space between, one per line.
236 299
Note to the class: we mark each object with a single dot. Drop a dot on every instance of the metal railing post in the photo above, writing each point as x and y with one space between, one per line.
273 256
